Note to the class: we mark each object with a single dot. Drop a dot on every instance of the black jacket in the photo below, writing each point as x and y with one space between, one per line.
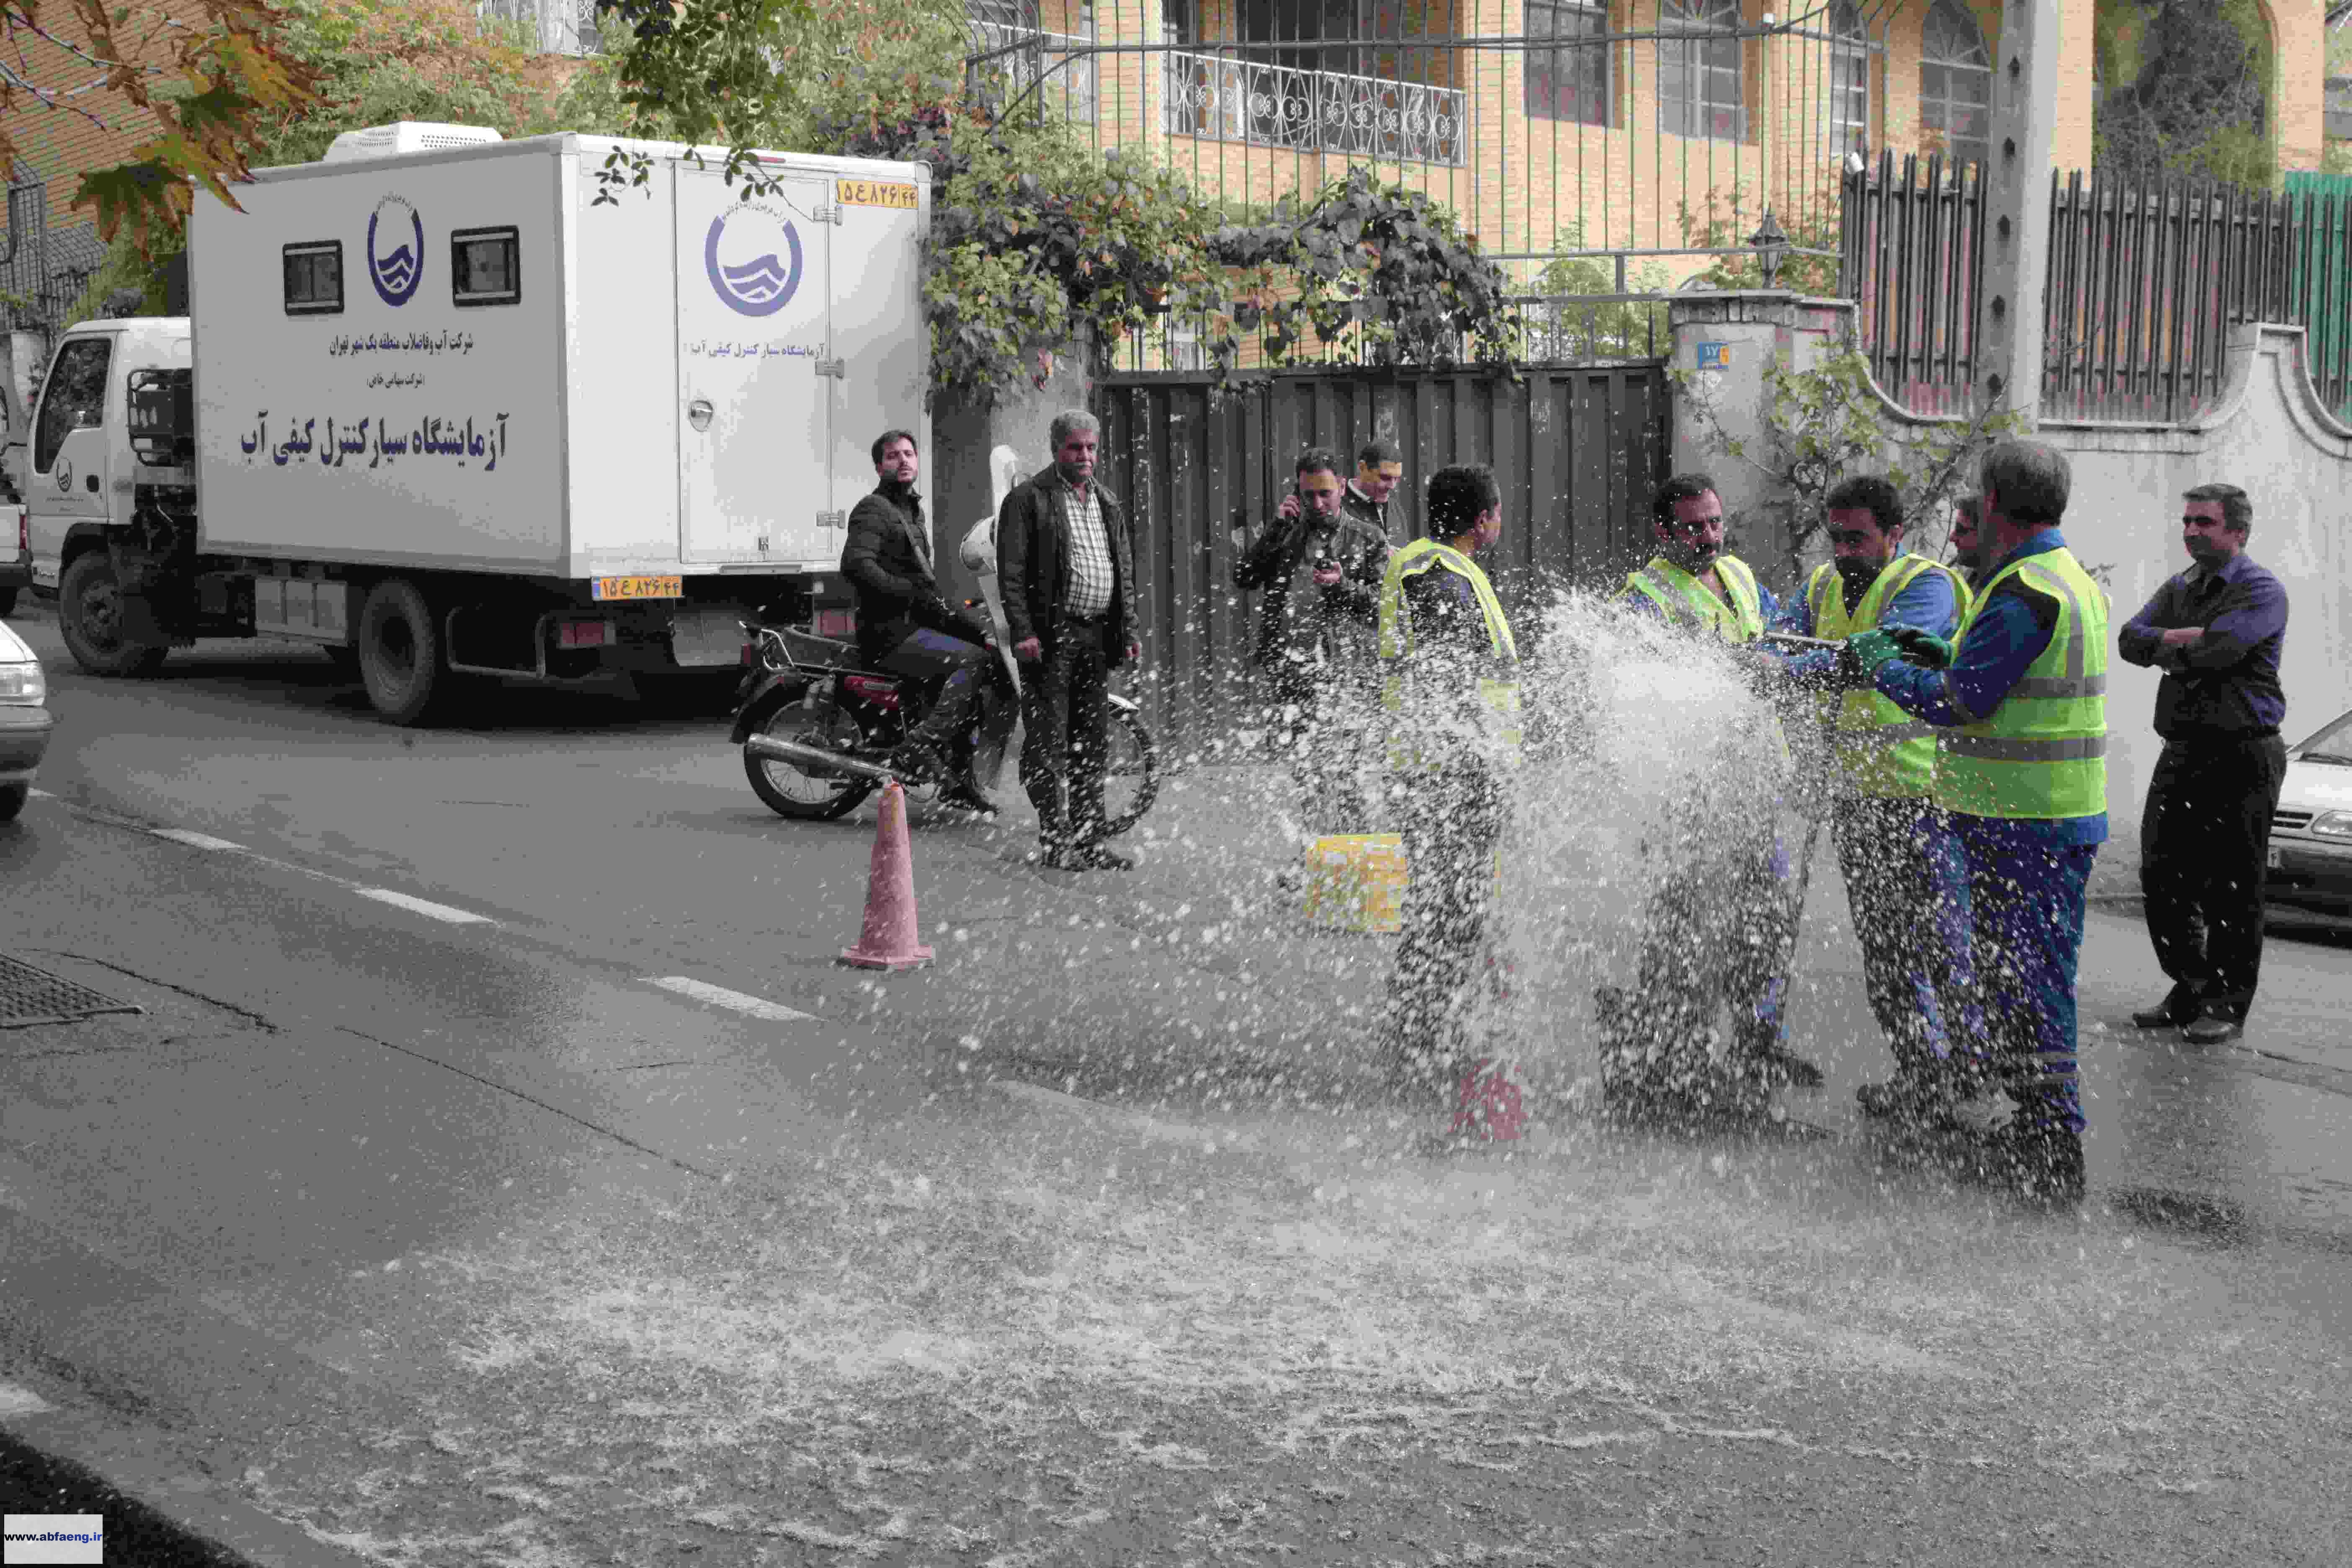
888 562
1300 615
1386 518
1032 562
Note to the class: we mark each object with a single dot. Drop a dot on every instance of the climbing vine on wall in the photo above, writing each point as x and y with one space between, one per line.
1828 424
1038 239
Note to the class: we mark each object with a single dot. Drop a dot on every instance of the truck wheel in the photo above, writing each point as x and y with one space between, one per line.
90 617
401 662
12 800
7 602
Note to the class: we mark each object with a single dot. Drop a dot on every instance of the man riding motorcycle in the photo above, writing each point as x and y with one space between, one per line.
904 626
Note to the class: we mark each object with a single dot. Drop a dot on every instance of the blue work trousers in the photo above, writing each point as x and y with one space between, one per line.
2025 909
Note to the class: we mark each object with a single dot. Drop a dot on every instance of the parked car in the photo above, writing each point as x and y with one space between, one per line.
24 721
16 564
2311 831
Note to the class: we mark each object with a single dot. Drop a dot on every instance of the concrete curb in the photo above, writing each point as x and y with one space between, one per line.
160 1510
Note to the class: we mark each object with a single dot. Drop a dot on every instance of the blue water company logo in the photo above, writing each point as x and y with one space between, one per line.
745 254
395 273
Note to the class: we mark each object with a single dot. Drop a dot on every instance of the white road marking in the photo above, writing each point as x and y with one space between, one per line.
447 913
17 1400
719 996
41 794
193 840
456 917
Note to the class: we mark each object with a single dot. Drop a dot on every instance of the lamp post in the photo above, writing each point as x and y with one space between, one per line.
1769 241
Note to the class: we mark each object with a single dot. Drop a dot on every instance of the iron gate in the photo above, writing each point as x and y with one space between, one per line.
1577 451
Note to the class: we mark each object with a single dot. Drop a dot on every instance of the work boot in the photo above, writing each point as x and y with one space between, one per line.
2213 1027
1920 1092
2043 1165
1775 1065
964 797
2179 1007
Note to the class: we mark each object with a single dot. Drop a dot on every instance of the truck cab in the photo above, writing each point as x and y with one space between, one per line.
80 473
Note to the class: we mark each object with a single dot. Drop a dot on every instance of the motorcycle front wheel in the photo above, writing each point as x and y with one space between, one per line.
1130 773
789 791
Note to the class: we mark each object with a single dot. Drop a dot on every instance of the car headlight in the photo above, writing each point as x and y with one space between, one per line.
2333 825
22 685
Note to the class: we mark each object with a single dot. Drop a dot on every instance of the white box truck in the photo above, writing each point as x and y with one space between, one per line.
437 407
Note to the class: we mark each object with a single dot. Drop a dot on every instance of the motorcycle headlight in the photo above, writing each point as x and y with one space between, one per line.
2333 825
22 685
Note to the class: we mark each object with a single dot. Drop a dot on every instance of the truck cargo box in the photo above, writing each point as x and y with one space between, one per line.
459 359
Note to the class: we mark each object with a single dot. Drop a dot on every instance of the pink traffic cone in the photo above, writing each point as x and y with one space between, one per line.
1491 1108
888 941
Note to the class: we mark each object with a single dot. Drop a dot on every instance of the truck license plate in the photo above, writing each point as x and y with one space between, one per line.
639 588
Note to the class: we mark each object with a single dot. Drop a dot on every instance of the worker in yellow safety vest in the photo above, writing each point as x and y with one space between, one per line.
1720 926
1905 879
1450 691
2020 711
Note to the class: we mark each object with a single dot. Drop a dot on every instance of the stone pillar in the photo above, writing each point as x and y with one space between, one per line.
2017 215
1722 343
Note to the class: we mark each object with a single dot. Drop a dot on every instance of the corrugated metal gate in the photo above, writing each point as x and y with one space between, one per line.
1577 451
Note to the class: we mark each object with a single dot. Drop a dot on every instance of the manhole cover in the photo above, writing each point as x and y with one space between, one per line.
30 995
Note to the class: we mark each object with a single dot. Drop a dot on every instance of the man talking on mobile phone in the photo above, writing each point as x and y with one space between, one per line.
1318 566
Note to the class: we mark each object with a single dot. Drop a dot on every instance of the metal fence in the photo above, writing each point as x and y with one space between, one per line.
2144 286
1912 259
2142 290
43 270
1652 130
1577 450
555 27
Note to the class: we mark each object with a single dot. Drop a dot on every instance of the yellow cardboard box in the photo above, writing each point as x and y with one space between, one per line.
1356 882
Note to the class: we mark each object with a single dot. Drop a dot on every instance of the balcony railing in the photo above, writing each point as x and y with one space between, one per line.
1028 57
1224 98
557 27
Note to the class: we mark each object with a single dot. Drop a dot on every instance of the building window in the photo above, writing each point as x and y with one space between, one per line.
484 267
1701 89
1849 105
1955 86
1568 83
314 278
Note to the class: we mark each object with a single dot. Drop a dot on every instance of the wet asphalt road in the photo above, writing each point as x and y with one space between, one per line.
258 1216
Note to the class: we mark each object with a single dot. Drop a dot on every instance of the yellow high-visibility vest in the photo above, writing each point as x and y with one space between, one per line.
1686 601
1500 693
1883 751
2042 754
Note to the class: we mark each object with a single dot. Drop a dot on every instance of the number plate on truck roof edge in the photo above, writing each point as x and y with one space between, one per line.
637 588
875 193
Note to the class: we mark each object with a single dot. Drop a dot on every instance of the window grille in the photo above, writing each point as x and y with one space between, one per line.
314 278
1701 85
1568 83
1955 86
1849 63
484 267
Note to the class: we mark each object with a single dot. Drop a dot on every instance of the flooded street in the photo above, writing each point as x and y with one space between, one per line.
1075 1337
482 1241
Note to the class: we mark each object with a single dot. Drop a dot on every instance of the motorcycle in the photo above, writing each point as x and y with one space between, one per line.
819 731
